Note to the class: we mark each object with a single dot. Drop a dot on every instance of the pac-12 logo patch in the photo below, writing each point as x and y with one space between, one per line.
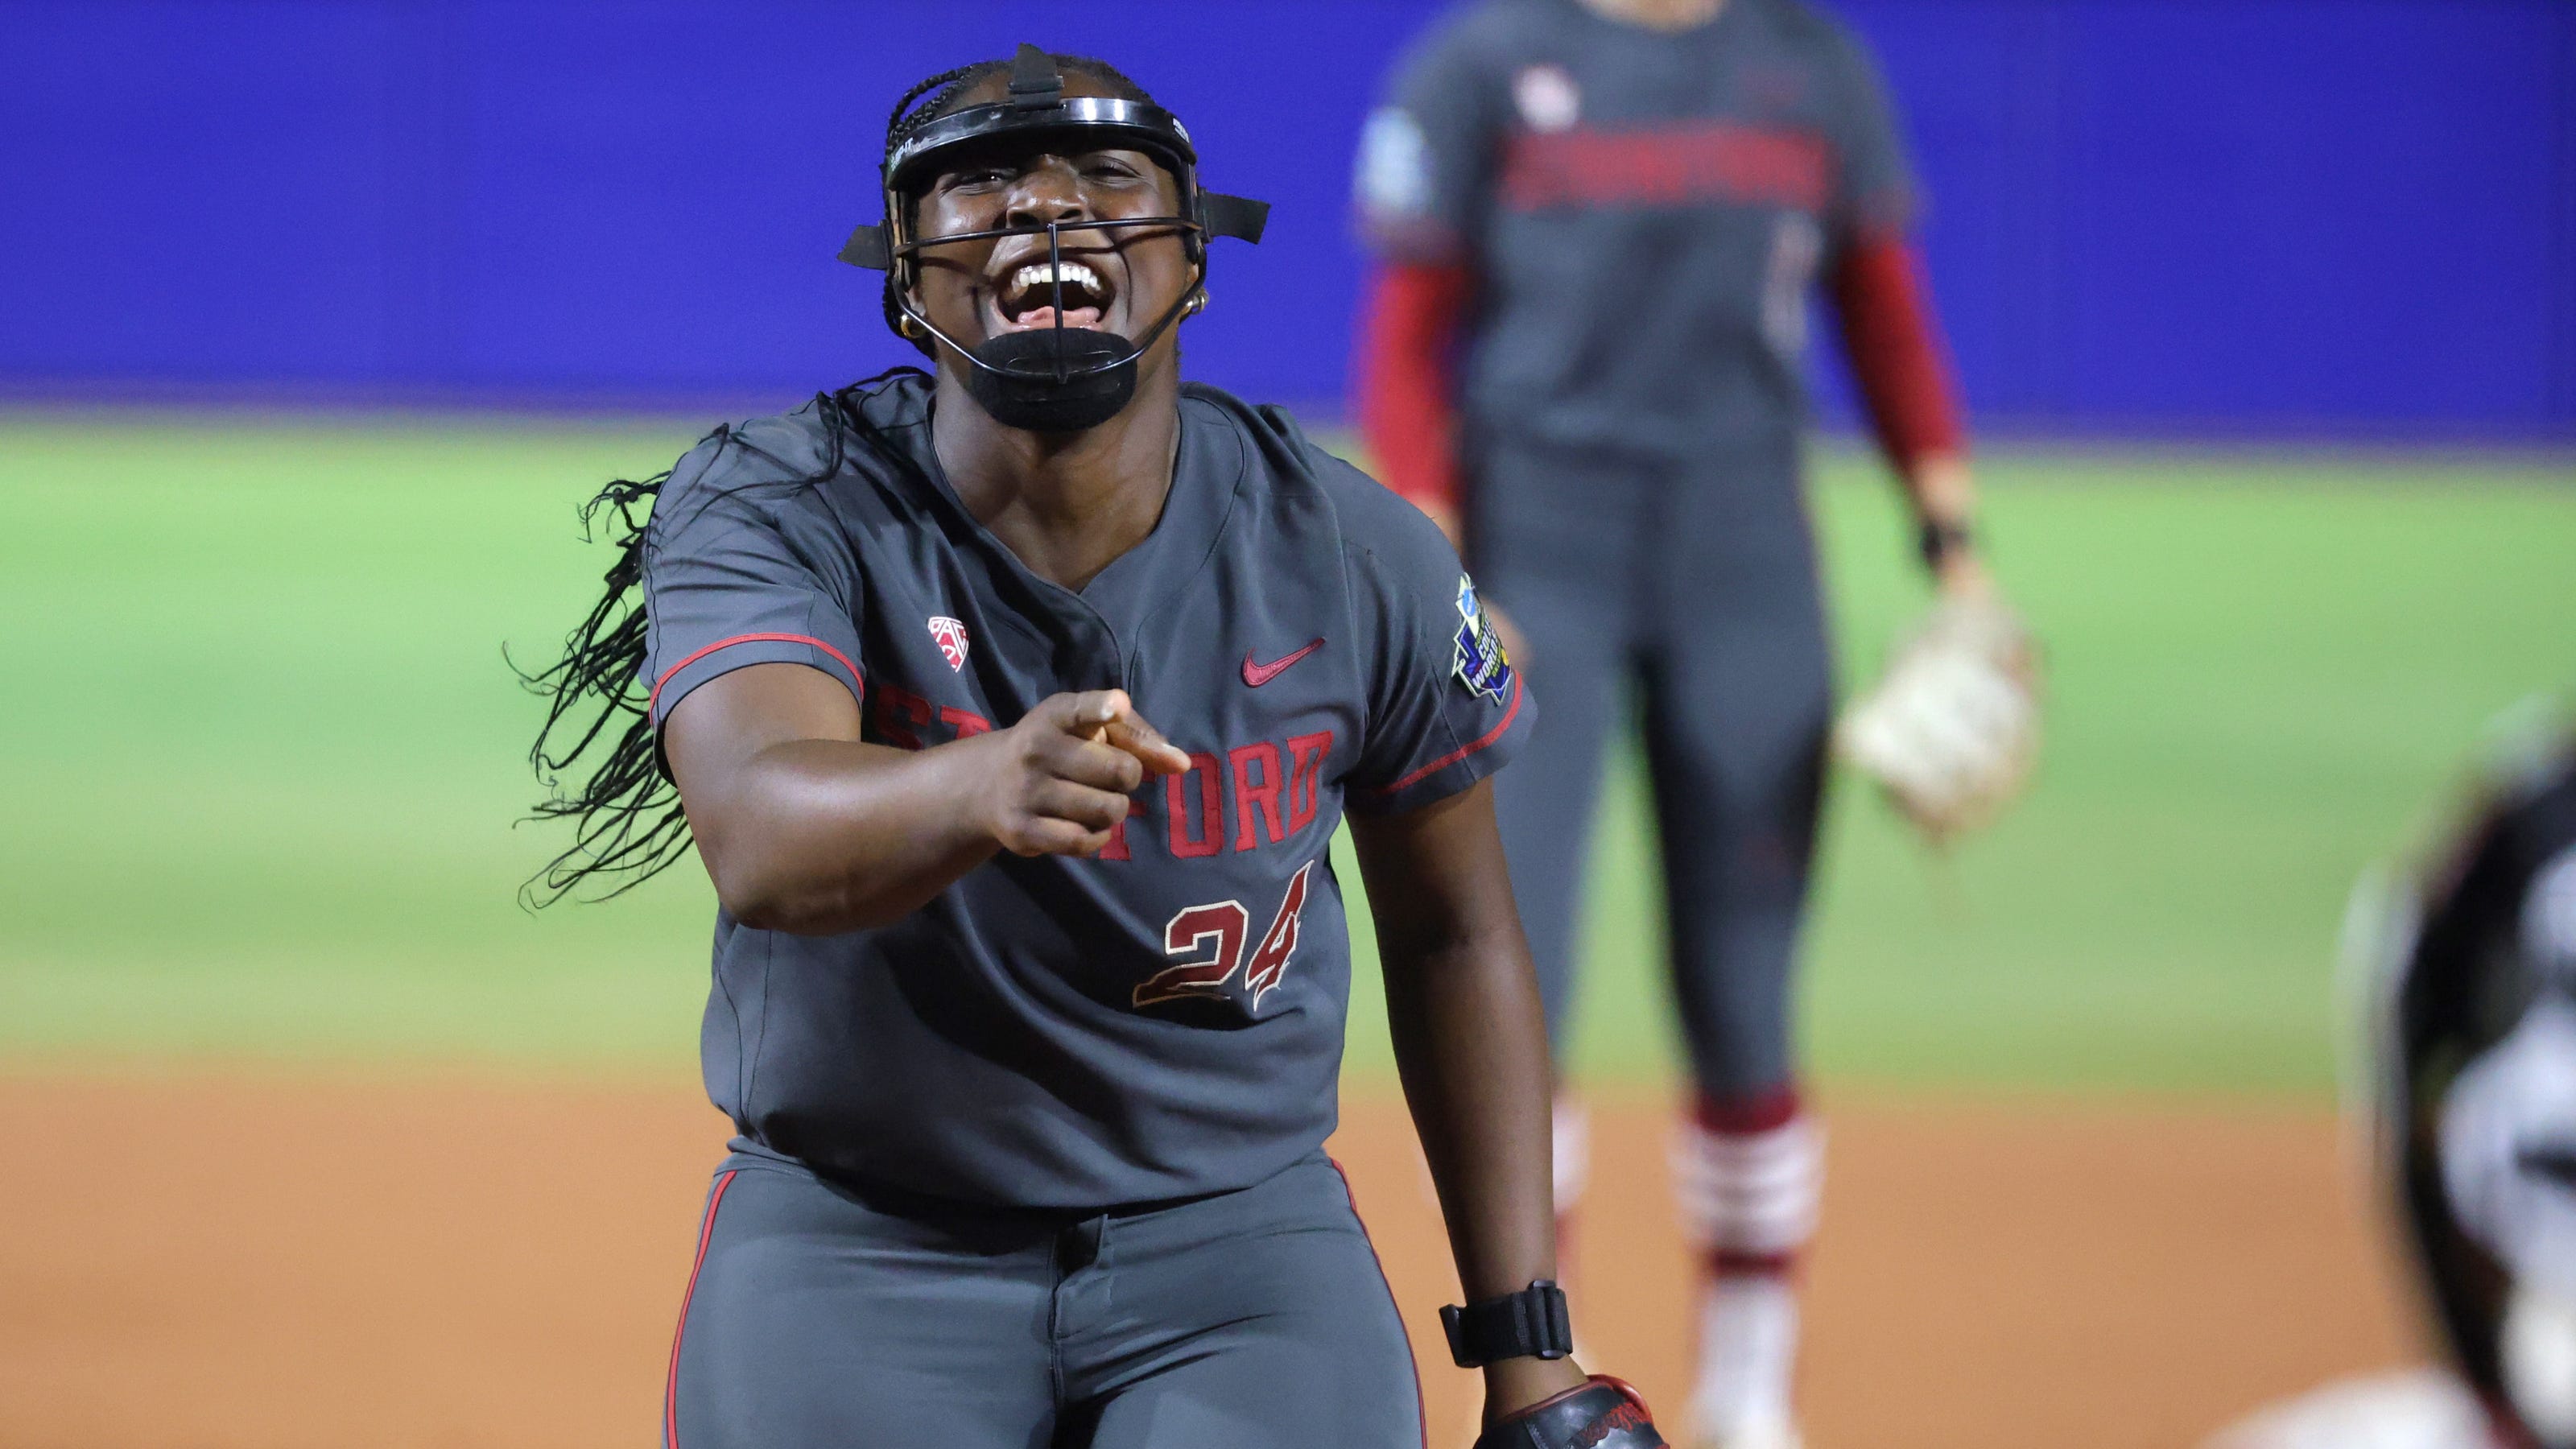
950 636
1479 659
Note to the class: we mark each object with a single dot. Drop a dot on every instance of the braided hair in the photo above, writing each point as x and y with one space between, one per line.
597 756
904 122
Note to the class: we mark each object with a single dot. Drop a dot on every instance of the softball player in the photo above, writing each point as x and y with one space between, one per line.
2474 1065
2464 962
1598 223
1027 1013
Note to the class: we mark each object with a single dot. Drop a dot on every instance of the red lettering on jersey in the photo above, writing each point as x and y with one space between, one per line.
1674 164
1249 796
965 722
897 711
1116 849
1270 961
1306 756
1223 923
1209 837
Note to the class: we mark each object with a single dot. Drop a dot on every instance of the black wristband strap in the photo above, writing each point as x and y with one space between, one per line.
1938 538
1527 1324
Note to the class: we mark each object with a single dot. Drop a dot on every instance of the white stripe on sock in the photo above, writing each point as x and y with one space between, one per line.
1750 1193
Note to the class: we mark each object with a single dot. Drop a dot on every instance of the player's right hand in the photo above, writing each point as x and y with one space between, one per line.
1057 782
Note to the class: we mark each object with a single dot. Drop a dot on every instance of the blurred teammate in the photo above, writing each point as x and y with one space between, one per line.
1028 1018
1599 223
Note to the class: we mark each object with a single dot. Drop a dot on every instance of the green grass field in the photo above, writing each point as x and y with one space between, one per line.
263 758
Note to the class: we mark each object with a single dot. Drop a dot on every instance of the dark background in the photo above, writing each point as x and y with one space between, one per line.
2269 218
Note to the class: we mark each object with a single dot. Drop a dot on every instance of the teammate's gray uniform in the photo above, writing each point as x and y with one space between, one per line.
1045 1155
1643 214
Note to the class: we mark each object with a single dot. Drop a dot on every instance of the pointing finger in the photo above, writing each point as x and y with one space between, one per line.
1131 733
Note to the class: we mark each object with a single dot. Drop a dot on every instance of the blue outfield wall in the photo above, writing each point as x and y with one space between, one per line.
2347 218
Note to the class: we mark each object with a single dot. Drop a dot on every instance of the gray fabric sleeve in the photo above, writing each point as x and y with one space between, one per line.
1426 157
1446 708
1874 186
735 575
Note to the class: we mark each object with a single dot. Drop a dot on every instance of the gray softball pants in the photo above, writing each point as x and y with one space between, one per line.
1691 589
820 1314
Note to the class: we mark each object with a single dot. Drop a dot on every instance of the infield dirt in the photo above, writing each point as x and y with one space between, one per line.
204 1260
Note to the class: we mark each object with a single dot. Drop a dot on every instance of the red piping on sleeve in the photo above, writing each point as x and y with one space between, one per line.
1408 332
671 1388
656 699
1895 348
1463 751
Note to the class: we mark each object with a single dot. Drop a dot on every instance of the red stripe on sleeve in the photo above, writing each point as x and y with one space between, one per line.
1408 331
1463 751
1895 348
656 699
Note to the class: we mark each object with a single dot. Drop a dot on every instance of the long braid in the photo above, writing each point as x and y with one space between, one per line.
952 84
962 75
629 824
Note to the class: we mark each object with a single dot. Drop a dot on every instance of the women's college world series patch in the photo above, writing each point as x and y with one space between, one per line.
1479 659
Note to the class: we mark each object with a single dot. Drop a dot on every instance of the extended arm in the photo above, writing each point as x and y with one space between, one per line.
804 828
1471 1045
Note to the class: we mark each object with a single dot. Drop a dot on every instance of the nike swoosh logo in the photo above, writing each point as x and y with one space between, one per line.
1258 675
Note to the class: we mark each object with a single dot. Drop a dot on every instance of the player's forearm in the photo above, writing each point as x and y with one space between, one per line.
1471 1047
1943 488
1904 376
805 828
1470 1036
839 836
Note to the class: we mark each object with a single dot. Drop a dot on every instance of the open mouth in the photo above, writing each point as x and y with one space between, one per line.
1027 298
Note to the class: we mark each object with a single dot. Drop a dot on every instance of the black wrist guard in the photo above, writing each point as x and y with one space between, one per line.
1937 539
1527 1324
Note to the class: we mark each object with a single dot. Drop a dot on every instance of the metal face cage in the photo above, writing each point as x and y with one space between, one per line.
1037 109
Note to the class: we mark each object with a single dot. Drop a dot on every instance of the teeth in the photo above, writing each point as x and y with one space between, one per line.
1043 274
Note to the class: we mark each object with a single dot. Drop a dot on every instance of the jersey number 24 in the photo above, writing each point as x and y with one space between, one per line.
1212 937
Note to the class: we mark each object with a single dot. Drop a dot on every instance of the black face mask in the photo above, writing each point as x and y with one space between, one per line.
1053 380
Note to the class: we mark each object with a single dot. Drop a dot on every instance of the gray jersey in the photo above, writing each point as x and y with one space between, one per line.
1643 211
1165 1020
